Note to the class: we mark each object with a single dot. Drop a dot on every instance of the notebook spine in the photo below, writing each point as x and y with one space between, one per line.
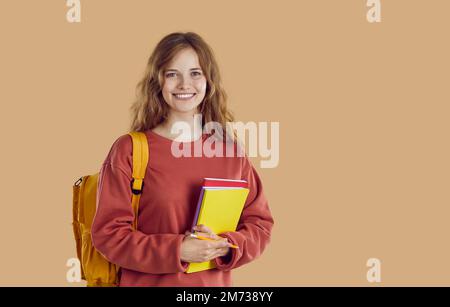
225 184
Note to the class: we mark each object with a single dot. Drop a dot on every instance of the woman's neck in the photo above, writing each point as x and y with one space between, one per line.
184 127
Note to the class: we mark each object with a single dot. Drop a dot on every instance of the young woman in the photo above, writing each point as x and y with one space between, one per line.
181 82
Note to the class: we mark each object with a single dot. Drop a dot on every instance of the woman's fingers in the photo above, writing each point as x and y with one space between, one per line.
218 245
220 252
206 232
206 235
223 251
214 243
204 228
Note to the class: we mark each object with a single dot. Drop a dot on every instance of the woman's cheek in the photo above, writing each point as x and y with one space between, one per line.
169 86
201 86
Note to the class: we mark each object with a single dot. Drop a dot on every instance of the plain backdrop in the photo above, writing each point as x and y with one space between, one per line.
363 112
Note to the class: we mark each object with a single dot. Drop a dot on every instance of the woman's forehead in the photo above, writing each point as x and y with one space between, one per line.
186 58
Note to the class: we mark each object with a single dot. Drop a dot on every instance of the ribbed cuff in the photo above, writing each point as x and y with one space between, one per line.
226 263
181 265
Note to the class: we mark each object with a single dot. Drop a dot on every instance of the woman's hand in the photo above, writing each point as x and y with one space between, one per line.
195 250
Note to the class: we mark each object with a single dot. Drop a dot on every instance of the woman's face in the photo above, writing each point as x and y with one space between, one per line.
184 82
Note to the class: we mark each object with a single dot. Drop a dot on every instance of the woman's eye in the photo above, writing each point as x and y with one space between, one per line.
196 73
170 75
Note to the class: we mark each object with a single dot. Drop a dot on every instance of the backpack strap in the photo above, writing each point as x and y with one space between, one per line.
140 160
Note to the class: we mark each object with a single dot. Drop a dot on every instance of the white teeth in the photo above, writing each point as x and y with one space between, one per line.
184 96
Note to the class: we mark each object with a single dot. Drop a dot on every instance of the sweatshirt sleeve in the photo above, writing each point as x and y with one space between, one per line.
112 232
253 232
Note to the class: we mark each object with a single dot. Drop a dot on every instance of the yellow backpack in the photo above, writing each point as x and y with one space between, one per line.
95 268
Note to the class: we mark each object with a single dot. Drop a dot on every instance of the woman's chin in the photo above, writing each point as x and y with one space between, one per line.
186 106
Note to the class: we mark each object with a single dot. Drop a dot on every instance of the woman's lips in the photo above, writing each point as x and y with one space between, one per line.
186 96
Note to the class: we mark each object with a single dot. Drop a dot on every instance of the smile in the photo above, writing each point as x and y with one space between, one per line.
184 96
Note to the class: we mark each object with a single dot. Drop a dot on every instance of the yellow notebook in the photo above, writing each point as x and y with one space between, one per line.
220 209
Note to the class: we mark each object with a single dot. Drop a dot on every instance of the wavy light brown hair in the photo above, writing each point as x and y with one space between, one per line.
149 109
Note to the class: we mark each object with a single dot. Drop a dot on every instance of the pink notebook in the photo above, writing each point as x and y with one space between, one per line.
216 183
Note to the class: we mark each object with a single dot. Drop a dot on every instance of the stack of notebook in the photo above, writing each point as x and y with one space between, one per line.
219 207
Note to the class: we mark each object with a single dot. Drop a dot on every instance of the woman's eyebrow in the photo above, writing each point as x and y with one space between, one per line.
173 69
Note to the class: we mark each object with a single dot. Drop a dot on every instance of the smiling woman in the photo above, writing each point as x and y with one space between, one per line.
181 64
184 83
181 81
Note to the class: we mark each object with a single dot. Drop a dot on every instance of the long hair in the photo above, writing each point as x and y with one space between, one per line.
149 109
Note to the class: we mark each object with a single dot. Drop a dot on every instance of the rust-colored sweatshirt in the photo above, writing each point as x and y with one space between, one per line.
150 256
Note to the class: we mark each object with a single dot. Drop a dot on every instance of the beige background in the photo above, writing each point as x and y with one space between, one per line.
363 111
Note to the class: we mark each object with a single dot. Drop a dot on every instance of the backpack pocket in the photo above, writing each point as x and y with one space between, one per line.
98 271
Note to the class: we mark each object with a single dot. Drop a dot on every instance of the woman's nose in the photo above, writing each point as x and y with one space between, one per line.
184 82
